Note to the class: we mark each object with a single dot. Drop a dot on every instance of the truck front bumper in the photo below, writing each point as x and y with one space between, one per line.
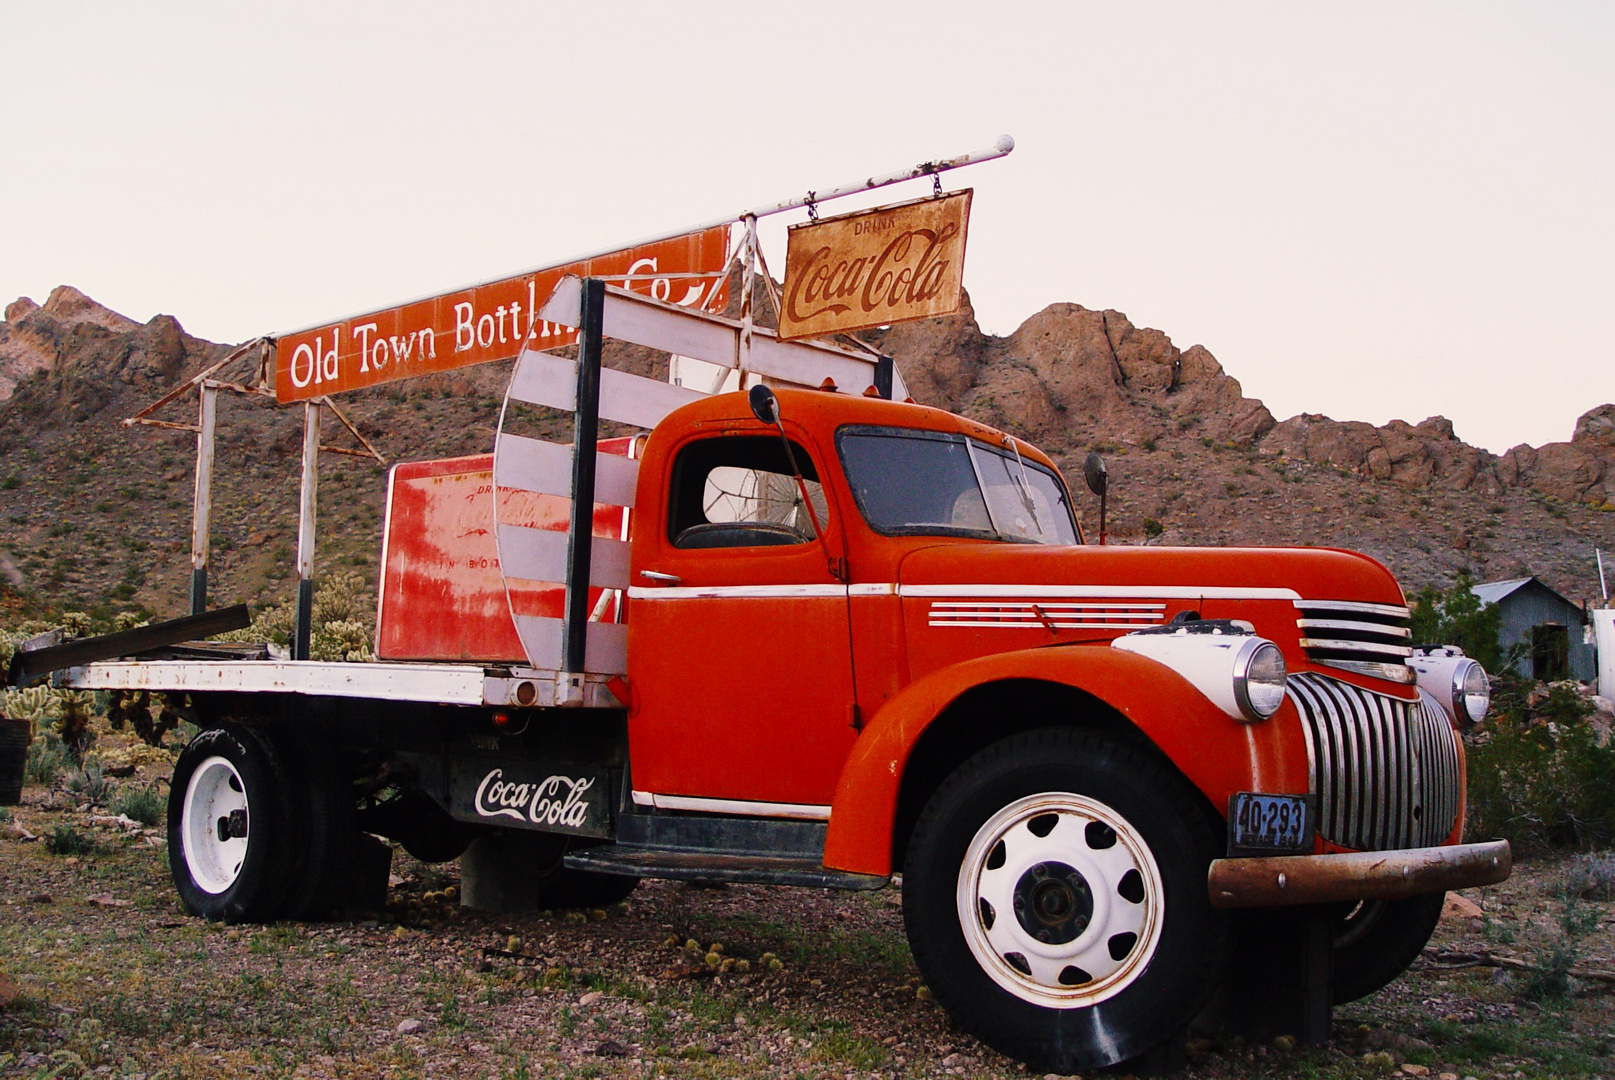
1362 875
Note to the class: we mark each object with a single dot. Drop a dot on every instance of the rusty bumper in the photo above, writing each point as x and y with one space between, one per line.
1366 875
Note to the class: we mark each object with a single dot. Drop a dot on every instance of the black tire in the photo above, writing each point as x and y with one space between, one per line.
230 774
1377 940
326 831
1020 791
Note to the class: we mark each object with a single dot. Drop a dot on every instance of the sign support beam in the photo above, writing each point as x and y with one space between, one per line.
580 541
308 498
202 503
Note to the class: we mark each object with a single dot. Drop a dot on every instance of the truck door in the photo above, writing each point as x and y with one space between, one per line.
738 642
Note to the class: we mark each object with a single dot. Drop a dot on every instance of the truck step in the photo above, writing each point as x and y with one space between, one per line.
686 865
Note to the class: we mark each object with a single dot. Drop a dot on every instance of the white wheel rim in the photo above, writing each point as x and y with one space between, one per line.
1014 881
215 795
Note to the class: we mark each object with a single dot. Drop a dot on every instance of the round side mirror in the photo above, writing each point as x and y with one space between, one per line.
1093 471
764 405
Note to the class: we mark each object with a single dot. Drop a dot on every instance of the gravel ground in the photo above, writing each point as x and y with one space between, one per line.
106 976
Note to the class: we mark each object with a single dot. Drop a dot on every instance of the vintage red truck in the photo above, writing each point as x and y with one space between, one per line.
826 638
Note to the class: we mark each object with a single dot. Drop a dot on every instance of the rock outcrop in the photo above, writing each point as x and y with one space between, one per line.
1193 460
56 358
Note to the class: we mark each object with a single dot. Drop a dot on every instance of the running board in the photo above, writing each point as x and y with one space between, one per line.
685 865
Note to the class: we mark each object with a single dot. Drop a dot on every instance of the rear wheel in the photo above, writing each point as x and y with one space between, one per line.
1055 899
1377 940
230 826
326 824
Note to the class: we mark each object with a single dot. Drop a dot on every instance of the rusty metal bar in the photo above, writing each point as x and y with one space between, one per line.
307 502
349 451
1000 148
146 422
1365 875
251 391
202 504
369 450
195 380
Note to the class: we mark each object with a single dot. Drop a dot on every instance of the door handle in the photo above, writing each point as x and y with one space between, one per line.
666 579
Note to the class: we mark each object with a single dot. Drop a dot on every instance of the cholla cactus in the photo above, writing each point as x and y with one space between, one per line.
342 597
340 639
36 704
341 616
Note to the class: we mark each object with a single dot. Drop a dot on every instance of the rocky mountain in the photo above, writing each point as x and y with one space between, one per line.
99 515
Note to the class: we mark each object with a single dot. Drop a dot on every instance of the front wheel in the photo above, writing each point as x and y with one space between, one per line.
1055 899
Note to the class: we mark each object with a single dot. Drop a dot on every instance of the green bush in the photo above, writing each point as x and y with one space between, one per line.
1458 617
1538 777
143 803
47 757
66 840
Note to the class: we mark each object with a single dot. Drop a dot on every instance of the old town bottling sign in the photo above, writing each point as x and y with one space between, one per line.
875 267
489 321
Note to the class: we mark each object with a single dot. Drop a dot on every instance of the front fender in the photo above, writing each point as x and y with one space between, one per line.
1218 754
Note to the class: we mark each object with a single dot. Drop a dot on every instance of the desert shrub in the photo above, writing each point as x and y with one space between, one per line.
142 803
1591 877
66 840
1539 777
1551 978
1153 528
47 758
90 782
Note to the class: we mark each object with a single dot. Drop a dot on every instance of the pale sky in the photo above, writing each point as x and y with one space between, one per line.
1366 210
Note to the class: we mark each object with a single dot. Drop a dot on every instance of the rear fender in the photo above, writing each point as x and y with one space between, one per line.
1217 754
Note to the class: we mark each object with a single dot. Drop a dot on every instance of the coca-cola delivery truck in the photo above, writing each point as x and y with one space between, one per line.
806 633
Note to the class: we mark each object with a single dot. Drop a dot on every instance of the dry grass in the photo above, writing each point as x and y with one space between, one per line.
114 978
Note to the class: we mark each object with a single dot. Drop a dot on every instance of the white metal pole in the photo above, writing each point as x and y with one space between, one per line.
1603 586
305 530
202 504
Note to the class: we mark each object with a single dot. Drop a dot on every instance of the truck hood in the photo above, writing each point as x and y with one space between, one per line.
1177 573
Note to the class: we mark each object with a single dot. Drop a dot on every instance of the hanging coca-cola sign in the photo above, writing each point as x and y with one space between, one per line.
875 267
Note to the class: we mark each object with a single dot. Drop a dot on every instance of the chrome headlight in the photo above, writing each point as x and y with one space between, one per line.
1471 691
1458 683
1240 673
1259 678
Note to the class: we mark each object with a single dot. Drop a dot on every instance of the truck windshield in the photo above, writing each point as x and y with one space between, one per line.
909 482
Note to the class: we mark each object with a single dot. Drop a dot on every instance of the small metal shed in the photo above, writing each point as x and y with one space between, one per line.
1550 627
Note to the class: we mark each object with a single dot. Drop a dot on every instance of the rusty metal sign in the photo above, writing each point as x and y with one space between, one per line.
875 267
488 322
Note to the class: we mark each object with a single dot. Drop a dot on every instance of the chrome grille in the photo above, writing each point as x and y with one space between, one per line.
1343 631
1385 771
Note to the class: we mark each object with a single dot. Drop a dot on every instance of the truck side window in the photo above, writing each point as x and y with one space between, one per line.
739 492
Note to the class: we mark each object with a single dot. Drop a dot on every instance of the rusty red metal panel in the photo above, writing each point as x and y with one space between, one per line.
442 596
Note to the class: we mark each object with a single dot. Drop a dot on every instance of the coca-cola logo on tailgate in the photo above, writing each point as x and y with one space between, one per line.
555 800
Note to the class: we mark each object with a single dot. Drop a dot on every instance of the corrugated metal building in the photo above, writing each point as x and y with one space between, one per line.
1549 626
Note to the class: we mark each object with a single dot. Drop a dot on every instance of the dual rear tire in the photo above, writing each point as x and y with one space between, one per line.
261 827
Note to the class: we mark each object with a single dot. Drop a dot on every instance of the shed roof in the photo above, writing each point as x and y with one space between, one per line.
1495 592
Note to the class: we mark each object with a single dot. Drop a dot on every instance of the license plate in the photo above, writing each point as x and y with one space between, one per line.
1268 823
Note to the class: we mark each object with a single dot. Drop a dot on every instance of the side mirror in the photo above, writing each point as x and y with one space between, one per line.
1093 471
764 405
